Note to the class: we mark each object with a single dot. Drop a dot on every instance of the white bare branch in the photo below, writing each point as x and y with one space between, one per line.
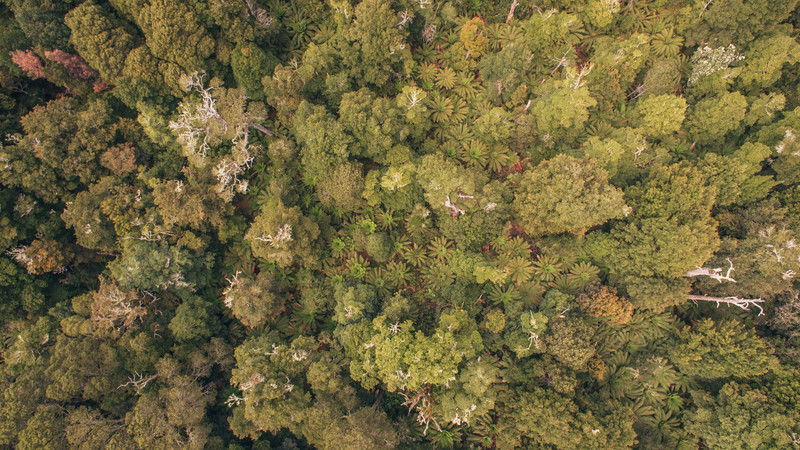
283 236
514 5
260 14
455 210
743 303
715 274
138 381
192 126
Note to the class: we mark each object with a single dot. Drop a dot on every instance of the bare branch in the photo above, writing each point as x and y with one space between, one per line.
262 129
138 381
715 274
743 303
421 401
514 5
456 211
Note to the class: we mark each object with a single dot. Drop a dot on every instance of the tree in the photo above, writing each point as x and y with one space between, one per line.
562 110
341 188
380 47
93 229
44 430
168 417
671 230
659 116
721 350
602 301
505 71
100 39
157 266
193 320
354 303
22 392
25 293
191 205
270 375
713 118
284 236
42 21
174 32
402 359
447 185
115 307
765 58
88 428
252 300
541 417
323 141
735 177
329 426
741 417
61 147
250 64
82 369
734 21
569 341
566 194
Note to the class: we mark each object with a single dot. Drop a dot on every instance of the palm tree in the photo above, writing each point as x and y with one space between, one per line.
442 107
547 267
386 219
440 248
519 269
474 153
504 295
438 275
497 158
378 278
466 87
397 274
415 255
584 272
427 72
446 78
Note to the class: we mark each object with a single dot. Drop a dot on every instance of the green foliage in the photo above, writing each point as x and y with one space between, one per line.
566 194
402 358
100 39
252 300
341 188
250 64
569 341
456 224
741 417
713 118
283 236
660 115
193 320
155 266
721 350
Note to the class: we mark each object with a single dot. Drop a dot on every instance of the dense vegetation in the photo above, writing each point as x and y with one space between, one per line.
410 223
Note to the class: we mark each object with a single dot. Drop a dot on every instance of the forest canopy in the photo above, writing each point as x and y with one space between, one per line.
234 224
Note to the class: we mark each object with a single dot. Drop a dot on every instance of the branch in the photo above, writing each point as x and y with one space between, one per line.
456 211
514 5
262 129
743 303
138 381
715 274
